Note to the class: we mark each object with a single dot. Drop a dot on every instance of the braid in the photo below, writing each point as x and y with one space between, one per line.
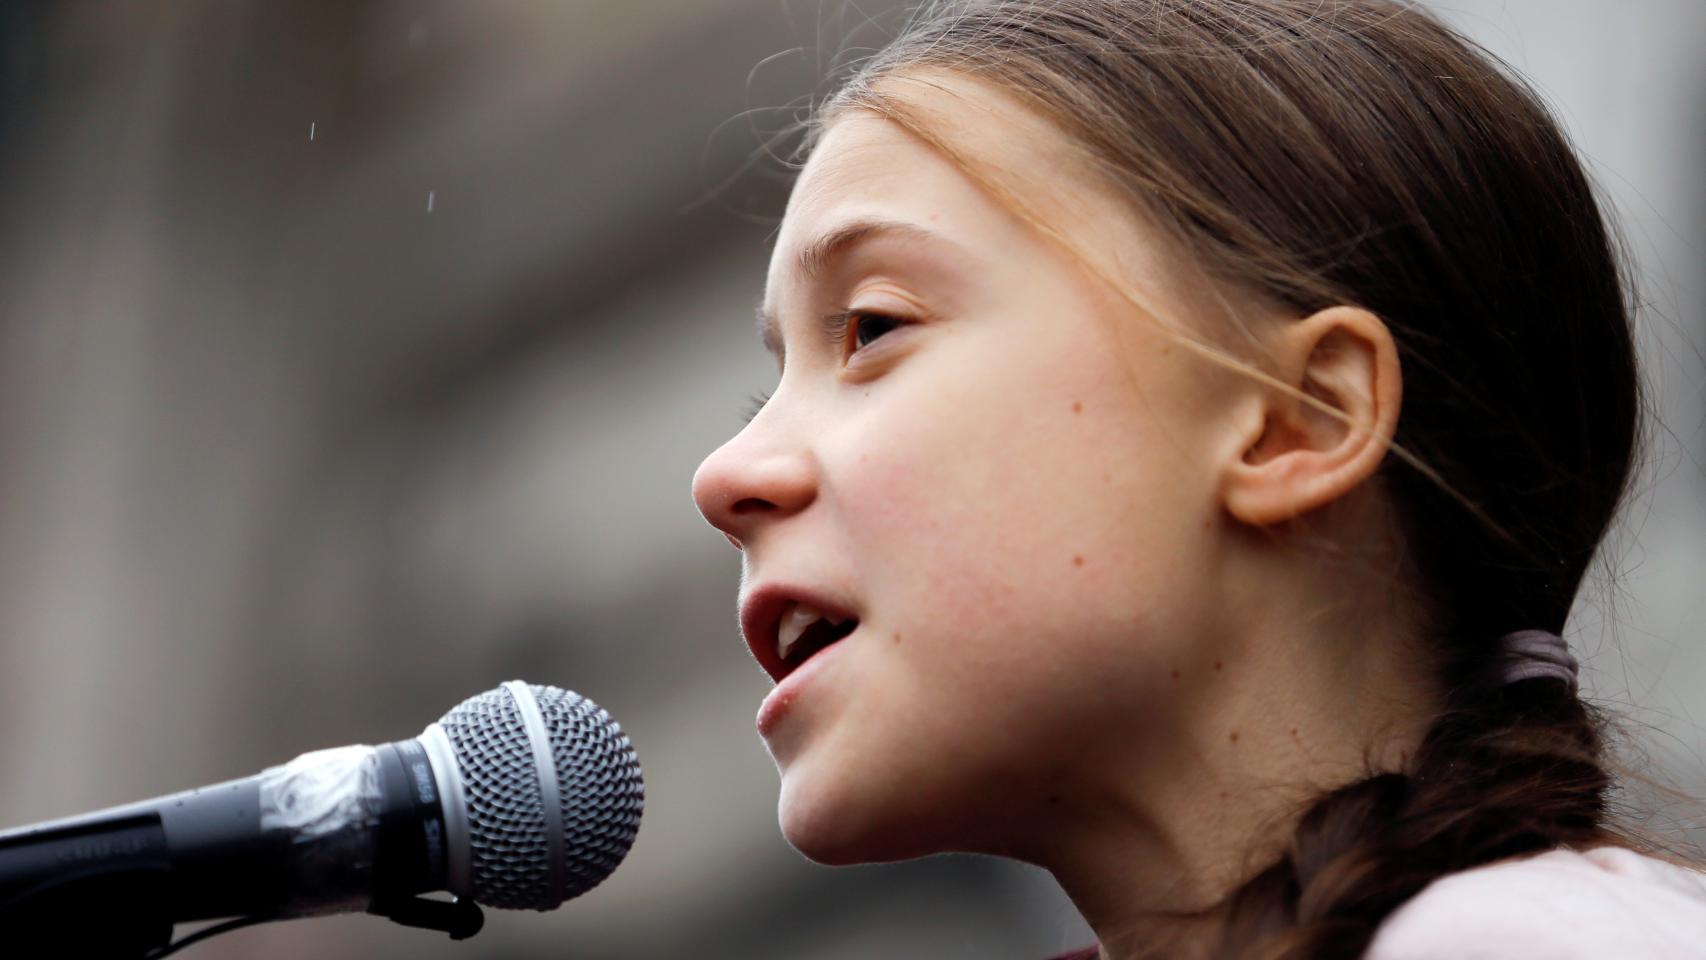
1510 770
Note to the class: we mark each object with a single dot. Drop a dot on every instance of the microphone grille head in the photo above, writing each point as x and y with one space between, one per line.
547 821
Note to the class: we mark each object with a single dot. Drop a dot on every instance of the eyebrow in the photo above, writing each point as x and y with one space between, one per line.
815 257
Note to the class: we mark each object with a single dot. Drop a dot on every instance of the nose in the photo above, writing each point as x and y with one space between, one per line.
753 481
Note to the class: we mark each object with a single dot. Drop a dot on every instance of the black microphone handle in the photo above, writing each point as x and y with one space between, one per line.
353 828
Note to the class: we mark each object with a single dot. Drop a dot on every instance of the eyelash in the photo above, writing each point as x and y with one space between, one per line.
757 401
849 335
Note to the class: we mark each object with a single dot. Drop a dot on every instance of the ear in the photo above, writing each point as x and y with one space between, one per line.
1293 457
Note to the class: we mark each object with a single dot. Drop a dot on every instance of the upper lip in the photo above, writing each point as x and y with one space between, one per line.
761 613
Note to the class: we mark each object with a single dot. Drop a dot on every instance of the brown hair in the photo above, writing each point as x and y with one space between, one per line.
1319 152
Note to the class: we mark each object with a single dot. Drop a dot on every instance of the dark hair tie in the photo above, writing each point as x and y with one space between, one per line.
1538 653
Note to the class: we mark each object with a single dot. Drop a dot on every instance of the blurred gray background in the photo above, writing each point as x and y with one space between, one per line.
356 357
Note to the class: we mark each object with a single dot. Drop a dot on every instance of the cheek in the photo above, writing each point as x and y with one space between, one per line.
1054 471
1030 568
1004 528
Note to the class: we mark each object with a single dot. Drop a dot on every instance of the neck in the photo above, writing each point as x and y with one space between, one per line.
1153 852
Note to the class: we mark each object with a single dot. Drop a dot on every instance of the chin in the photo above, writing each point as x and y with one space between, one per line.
835 824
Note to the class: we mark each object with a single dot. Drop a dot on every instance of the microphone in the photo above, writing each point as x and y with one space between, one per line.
521 797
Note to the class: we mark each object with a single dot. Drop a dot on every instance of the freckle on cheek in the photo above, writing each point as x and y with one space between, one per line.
1175 674
1077 407
1234 736
1078 560
1217 664
897 637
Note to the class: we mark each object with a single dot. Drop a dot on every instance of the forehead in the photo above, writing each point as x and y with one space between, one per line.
866 169
866 161
866 166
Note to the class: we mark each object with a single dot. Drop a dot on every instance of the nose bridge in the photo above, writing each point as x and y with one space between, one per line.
764 473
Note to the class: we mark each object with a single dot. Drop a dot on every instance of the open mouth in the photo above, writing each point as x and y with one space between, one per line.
785 626
798 640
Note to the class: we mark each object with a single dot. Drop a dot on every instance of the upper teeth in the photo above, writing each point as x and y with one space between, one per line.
796 617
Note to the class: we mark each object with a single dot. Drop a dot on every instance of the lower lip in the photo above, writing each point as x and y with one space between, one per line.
782 697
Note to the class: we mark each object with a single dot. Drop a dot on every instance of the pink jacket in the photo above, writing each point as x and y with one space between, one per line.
1560 905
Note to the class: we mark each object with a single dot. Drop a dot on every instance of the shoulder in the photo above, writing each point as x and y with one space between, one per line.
1559 905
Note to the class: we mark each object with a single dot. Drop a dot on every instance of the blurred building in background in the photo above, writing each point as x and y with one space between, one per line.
355 358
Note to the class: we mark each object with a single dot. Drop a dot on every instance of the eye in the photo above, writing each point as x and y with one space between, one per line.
866 327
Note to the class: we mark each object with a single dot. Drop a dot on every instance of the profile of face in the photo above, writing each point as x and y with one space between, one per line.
1011 479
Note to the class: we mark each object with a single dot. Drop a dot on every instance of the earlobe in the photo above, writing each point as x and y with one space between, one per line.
1294 456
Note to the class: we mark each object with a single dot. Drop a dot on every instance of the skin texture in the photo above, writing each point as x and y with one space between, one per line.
1097 631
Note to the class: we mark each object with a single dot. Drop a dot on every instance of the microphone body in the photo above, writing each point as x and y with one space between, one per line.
476 805
295 840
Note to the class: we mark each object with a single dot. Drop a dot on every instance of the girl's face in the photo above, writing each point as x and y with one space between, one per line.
998 466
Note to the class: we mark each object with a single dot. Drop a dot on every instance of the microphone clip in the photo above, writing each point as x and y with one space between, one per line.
458 916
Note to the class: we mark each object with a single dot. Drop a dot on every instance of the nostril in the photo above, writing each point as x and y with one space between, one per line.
750 505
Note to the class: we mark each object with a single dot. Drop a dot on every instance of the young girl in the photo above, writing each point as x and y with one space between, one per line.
1194 423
